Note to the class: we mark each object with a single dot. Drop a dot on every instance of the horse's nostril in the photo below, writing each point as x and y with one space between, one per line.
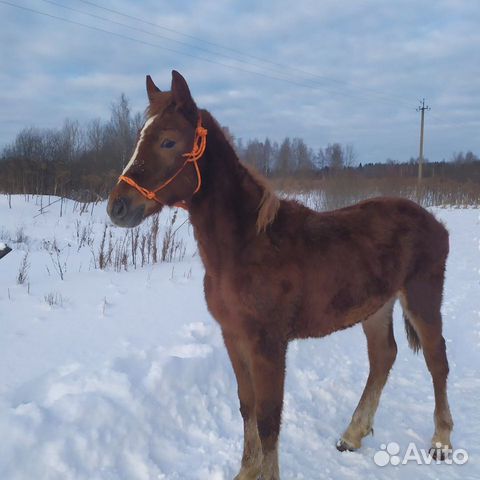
119 208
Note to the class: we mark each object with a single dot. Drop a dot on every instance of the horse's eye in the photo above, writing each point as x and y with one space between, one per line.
167 143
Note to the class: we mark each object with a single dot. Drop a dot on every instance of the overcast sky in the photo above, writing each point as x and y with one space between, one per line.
348 71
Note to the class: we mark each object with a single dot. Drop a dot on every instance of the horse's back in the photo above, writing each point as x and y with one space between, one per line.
380 220
356 258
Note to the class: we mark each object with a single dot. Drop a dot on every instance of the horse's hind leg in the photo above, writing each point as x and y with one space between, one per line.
421 300
382 351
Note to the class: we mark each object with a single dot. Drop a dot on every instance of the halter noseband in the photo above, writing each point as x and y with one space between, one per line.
199 146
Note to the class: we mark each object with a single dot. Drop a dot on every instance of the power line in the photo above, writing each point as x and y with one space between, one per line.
196 47
283 67
177 32
260 59
126 37
336 92
209 60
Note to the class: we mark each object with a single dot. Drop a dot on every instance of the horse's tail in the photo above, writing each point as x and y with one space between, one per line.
412 336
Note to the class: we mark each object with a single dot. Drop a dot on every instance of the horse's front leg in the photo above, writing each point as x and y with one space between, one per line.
252 449
268 373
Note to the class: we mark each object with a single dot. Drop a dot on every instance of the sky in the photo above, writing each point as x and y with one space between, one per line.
348 71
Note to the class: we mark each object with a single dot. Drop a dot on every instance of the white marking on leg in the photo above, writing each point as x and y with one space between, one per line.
377 329
140 140
252 453
270 470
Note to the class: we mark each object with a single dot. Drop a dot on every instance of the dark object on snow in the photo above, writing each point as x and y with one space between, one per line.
4 251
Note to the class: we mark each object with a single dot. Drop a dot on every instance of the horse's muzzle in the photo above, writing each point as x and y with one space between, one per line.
123 214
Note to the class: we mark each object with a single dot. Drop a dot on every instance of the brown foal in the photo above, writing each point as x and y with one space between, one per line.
276 270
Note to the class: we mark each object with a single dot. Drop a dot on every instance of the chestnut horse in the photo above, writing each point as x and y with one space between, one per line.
276 270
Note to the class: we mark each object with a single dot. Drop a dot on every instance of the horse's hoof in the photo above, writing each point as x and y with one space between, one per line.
343 446
252 473
440 452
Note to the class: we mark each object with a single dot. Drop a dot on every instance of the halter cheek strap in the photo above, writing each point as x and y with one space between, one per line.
199 146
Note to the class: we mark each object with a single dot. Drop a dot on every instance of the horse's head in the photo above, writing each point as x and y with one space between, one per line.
163 168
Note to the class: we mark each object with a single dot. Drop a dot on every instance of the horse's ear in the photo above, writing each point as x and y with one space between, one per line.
152 89
181 95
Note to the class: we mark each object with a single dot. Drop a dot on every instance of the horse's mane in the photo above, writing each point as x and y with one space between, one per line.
269 203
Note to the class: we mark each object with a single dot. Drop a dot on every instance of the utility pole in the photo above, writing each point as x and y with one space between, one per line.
421 109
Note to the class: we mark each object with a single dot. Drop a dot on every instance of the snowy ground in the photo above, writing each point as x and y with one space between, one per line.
123 376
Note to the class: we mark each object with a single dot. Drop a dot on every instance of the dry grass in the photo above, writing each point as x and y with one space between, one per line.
54 299
329 193
139 246
22 275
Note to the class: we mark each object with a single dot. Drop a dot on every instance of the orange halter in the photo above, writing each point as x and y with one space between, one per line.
199 146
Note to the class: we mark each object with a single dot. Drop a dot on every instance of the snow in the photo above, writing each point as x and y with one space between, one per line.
2 246
124 374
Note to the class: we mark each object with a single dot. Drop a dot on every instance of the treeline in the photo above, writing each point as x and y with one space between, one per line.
294 159
76 161
83 161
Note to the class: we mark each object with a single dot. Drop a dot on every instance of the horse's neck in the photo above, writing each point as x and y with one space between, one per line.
224 212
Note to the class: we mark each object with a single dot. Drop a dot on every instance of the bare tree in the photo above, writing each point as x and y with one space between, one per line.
95 137
302 156
121 126
349 155
284 161
334 156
